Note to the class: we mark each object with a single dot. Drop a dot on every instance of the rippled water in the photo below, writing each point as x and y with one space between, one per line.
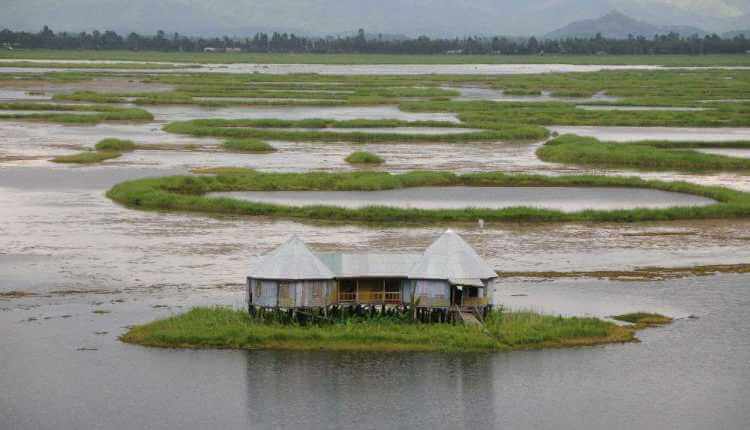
567 199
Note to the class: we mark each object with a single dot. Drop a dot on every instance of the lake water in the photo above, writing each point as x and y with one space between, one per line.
75 251
568 199
689 375
187 112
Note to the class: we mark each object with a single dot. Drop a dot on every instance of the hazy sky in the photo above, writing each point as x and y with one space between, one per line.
411 17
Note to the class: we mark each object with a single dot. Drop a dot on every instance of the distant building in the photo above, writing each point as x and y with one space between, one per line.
449 274
233 50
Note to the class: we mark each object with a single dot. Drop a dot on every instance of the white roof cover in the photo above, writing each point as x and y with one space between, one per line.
450 257
350 265
292 260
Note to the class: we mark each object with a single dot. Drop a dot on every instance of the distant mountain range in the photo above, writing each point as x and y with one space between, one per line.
392 18
617 25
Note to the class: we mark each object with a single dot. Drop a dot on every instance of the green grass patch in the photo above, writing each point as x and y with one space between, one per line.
320 130
187 193
115 145
72 114
248 145
643 319
225 328
87 157
364 157
90 97
572 149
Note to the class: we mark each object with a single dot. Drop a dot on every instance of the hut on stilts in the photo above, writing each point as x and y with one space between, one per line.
448 281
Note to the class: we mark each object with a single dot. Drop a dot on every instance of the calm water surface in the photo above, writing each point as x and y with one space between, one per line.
567 199
689 375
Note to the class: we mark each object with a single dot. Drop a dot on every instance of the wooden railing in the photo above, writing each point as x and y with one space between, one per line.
372 297
474 301
347 296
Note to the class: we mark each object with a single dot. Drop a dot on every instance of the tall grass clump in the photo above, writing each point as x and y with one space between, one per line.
248 145
364 157
115 145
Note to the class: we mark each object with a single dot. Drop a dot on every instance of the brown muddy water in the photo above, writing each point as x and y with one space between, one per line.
566 199
66 251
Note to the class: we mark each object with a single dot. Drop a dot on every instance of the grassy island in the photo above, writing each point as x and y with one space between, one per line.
503 331
72 114
188 193
105 149
646 155
322 130
87 157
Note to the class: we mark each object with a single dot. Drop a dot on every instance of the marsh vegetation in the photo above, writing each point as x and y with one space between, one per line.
647 155
187 193
502 331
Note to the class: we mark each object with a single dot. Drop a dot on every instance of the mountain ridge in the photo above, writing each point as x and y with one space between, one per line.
617 25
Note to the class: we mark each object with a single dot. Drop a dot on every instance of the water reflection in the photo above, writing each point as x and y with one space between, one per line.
344 390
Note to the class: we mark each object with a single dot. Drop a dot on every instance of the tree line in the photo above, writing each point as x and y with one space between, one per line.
671 43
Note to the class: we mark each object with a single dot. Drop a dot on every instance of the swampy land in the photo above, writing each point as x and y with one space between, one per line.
83 265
